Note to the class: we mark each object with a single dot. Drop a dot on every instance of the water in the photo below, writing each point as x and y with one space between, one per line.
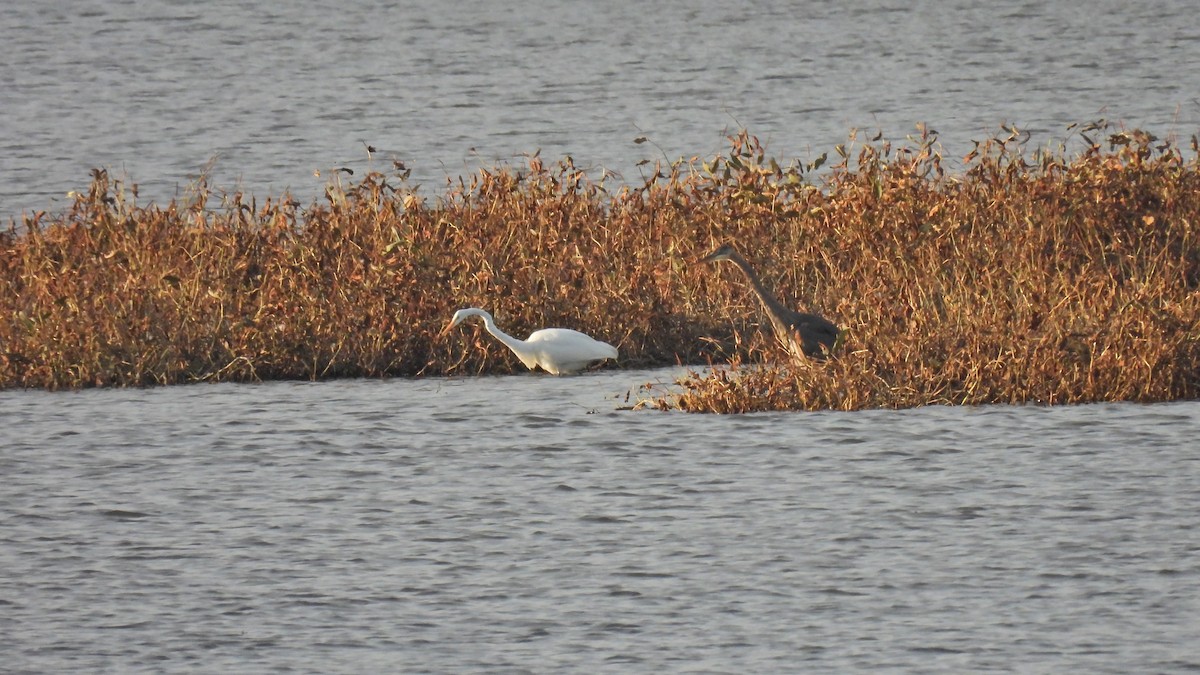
526 524
267 95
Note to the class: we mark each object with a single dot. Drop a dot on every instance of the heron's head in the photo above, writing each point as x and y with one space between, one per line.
725 252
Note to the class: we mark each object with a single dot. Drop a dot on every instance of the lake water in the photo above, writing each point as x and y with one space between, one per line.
526 524
267 95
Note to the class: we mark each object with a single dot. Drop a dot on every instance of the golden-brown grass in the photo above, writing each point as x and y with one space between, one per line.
1027 276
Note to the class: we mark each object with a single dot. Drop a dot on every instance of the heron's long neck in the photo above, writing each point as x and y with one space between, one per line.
774 310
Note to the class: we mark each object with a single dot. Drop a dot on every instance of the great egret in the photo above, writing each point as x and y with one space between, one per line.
556 350
811 334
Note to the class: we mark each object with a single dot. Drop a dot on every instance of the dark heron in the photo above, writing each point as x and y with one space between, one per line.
810 334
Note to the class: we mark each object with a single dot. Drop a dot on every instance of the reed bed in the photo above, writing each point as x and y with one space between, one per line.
1030 275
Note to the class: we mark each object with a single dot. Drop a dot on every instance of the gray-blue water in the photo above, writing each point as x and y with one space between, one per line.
525 524
267 94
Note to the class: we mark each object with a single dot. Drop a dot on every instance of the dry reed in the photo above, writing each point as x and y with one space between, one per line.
1028 276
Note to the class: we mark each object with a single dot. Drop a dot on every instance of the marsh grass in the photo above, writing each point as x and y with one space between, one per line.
1029 275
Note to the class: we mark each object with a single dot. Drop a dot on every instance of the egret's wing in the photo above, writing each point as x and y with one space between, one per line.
569 349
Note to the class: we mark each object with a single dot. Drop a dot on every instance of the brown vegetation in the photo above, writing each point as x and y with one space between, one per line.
1027 276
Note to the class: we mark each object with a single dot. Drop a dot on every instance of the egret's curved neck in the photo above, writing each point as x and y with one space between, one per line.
517 345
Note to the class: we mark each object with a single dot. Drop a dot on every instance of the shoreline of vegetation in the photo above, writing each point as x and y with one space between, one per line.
1031 275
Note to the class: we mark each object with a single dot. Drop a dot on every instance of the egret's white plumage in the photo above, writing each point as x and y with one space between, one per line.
556 350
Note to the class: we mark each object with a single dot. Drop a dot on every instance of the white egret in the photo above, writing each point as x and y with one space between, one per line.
809 334
556 350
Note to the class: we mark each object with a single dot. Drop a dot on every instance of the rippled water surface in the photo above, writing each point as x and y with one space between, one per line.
266 94
526 524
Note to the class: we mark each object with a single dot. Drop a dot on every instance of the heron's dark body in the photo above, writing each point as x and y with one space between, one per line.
814 335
